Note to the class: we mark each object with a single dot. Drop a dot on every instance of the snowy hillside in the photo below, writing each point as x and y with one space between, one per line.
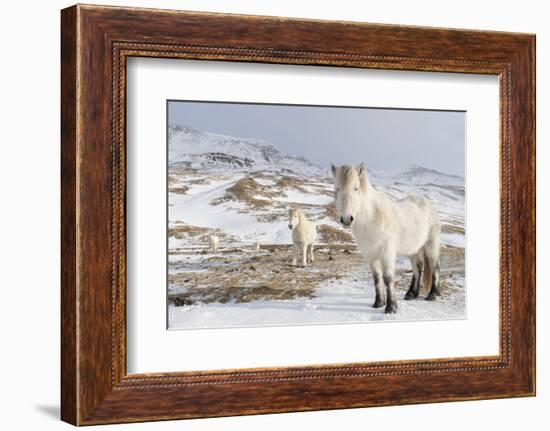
240 190
192 148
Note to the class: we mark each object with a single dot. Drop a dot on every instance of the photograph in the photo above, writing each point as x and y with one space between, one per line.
284 214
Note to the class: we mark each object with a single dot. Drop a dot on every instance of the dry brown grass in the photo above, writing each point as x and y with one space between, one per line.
249 192
186 171
181 181
271 217
238 294
330 211
287 182
329 235
199 236
179 189
198 181
268 275
237 276
323 190
449 228
181 230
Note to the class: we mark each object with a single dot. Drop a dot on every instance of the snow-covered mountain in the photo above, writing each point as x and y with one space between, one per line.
190 147
418 175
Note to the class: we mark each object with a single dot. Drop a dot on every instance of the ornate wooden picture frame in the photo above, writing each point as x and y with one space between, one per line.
96 41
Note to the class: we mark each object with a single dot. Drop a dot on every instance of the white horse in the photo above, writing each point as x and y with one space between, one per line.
385 229
214 243
303 236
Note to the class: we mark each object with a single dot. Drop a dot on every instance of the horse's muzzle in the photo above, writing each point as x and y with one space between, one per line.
290 226
346 221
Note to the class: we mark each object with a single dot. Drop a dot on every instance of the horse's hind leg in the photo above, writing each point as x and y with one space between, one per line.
391 301
294 255
431 255
310 253
417 264
434 291
376 269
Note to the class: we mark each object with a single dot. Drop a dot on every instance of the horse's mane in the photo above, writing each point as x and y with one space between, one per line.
298 211
348 173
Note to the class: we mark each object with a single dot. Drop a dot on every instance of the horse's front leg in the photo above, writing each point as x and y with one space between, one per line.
304 254
376 269
388 268
294 254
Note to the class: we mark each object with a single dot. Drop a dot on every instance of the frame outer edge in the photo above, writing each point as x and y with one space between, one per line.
533 54
523 183
69 201
532 101
530 82
87 397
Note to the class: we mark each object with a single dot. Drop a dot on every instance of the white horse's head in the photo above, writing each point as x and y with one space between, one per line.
350 184
293 217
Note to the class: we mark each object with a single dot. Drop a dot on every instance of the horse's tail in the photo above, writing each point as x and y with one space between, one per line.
427 273
431 257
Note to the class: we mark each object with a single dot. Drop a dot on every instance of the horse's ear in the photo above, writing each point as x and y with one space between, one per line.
333 170
360 169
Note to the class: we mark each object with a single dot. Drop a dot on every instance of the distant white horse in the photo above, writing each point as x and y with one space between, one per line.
385 229
214 243
303 236
257 246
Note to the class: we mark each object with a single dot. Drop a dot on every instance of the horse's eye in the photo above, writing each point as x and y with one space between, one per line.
356 189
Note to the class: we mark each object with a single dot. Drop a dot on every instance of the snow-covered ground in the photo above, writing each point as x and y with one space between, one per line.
240 190
344 300
348 302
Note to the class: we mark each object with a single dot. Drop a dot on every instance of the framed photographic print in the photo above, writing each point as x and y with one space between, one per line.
266 215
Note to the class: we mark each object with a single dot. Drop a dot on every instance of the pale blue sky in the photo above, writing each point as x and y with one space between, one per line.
382 138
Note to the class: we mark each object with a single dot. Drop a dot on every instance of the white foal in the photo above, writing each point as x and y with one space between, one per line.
214 243
384 229
303 236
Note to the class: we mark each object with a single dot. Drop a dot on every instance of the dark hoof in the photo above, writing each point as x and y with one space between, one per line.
378 303
431 296
411 295
391 308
